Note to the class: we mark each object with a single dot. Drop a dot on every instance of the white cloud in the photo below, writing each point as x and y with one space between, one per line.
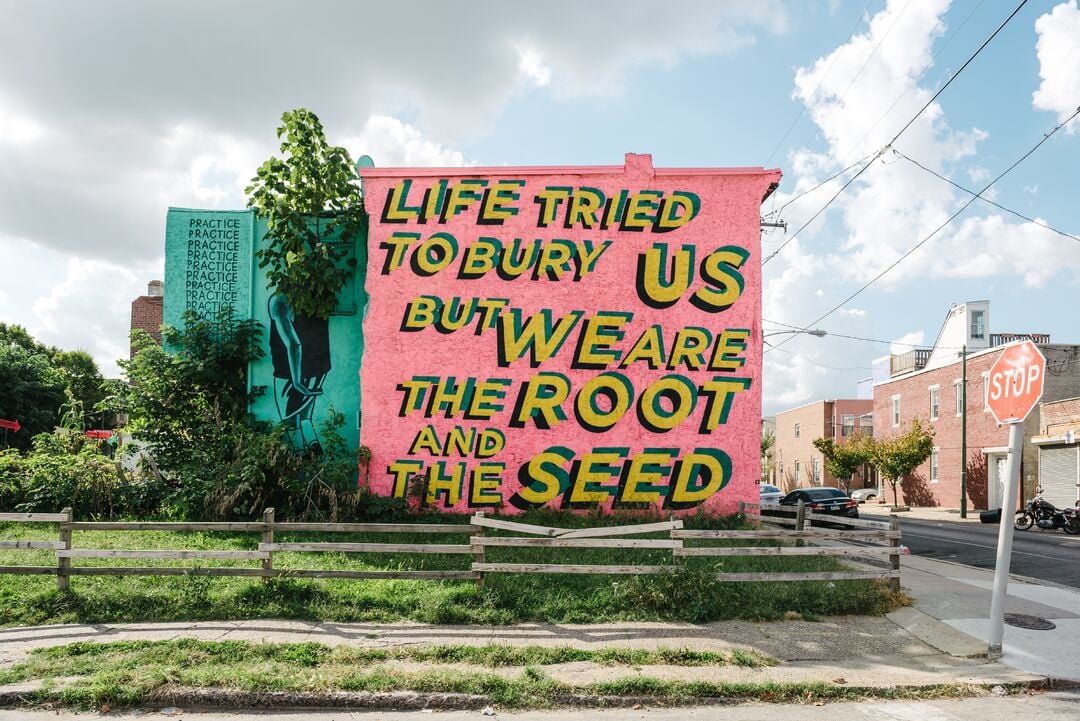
908 341
532 67
1058 49
391 143
17 129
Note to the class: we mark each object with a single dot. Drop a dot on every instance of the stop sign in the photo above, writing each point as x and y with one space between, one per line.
1015 384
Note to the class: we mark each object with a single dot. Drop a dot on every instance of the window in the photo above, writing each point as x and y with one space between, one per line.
959 387
934 466
798 479
847 425
986 391
781 469
895 411
935 405
977 329
817 472
796 430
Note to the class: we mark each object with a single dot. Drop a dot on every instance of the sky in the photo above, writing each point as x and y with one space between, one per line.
113 110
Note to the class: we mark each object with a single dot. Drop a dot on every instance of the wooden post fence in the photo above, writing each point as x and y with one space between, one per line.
63 563
268 538
894 558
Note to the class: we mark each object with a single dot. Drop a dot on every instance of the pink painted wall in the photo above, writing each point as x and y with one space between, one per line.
675 447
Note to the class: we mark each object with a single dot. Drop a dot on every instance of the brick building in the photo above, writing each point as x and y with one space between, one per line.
796 462
926 384
146 311
1058 446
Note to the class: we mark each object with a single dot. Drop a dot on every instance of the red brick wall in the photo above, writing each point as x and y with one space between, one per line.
1058 417
815 420
146 314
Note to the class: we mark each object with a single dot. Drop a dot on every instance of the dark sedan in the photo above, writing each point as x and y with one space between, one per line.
823 500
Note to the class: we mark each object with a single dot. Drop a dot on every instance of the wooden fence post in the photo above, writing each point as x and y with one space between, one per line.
894 558
478 550
800 519
268 537
742 508
63 580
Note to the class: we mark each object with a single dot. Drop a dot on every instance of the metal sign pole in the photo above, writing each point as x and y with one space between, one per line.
1005 539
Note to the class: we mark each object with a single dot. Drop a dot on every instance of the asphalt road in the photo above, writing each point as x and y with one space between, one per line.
1046 555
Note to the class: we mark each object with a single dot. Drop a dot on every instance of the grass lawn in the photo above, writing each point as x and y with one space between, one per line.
89 675
691 594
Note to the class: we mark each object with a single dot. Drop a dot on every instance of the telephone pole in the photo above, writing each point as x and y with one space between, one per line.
963 435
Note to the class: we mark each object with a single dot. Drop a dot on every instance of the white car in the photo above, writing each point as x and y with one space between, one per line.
863 495
769 493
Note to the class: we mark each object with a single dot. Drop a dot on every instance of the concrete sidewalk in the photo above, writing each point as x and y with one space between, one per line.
879 512
952 608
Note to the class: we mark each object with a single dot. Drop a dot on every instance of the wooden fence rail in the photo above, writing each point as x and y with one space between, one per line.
875 541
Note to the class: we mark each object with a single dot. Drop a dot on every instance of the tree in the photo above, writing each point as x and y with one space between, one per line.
899 455
31 392
307 197
843 460
77 368
768 441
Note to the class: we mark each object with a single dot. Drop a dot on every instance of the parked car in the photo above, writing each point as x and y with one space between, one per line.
769 493
823 500
863 495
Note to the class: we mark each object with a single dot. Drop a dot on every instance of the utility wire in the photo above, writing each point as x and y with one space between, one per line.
813 95
986 200
868 340
818 363
915 80
823 182
953 217
901 132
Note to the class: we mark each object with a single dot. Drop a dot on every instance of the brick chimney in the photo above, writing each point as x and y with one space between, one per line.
146 311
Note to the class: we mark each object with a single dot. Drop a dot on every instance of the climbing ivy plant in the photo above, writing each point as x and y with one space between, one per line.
308 196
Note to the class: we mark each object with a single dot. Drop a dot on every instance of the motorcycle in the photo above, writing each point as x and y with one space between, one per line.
1047 516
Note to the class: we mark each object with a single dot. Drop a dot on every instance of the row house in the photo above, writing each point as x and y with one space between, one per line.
797 463
927 383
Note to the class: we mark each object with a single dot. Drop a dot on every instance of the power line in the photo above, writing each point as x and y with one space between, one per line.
866 62
918 76
951 218
855 337
823 365
823 182
901 132
813 95
987 200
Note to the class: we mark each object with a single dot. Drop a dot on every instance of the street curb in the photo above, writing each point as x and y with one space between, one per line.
937 633
207 699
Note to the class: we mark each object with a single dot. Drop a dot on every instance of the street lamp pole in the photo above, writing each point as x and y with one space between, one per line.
963 435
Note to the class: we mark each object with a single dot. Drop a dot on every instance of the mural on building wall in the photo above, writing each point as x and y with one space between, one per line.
577 338
300 354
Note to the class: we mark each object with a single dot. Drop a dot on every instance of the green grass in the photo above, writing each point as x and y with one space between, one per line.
691 594
89 675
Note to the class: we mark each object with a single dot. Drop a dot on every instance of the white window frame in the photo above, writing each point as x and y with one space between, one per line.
796 430
935 459
986 391
981 315
815 472
798 473
847 429
935 402
896 411
958 387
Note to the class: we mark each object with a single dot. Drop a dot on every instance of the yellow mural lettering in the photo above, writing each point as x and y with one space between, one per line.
485 484
434 254
586 256
543 478
549 200
649 347
679 391
721 393
642 209
426 440
480 257
583 207
645 477
462 195
451 397
689 347
402 470
541 400
536 336
654 286
600 332
489 442
448 486
592 473
720 270
556 259
728 350
484 403
677 210
705 466
618 394
494 210
395 245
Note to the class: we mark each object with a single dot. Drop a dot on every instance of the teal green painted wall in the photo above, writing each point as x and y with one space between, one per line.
341 387
210 262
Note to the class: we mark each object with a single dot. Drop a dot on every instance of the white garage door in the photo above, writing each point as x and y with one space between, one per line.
1058 473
